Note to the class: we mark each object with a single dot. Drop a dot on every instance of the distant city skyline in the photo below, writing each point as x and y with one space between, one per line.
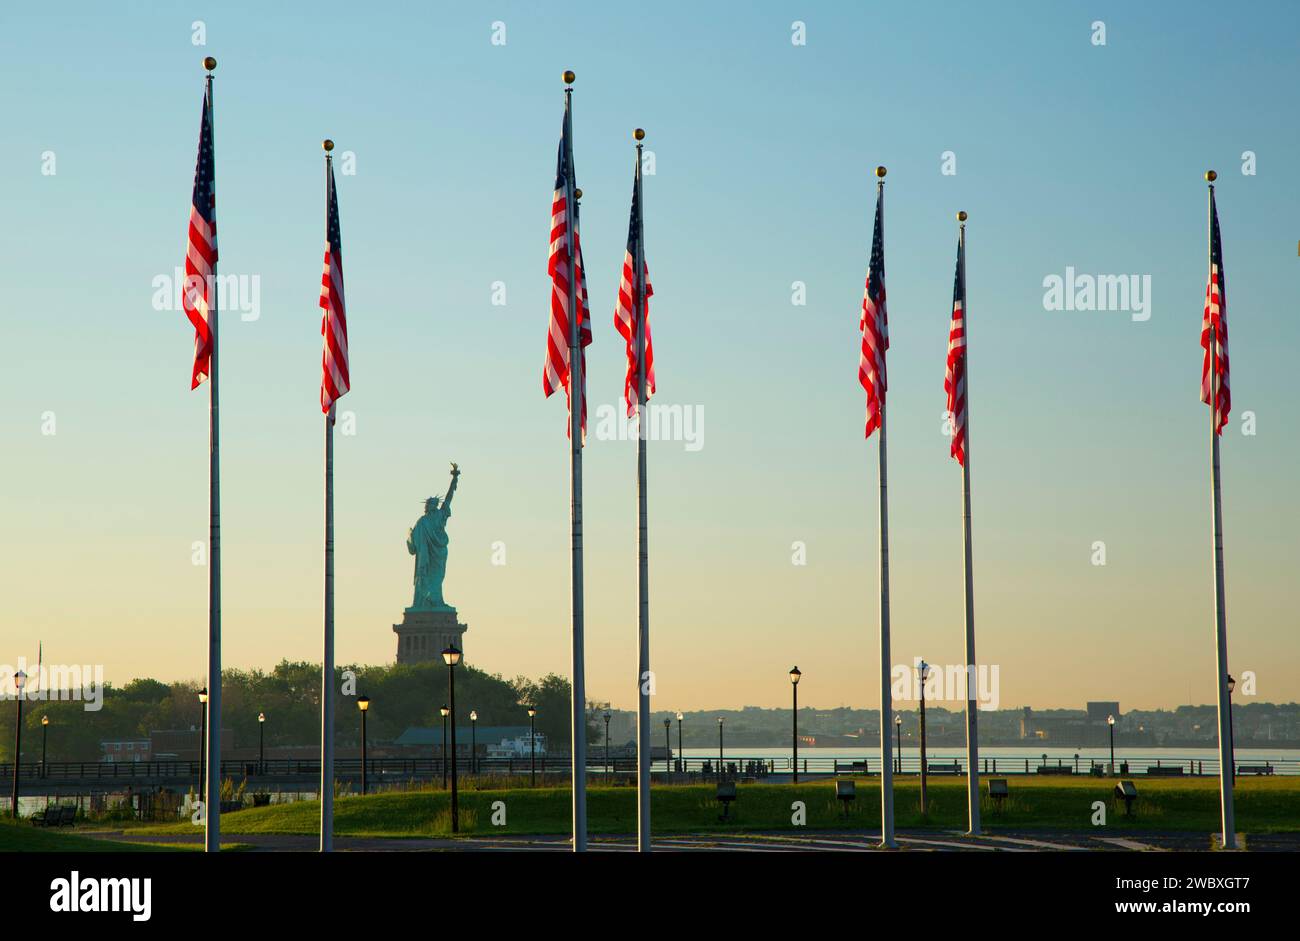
1088 439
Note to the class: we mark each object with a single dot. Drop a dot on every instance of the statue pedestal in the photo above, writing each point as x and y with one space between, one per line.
423 635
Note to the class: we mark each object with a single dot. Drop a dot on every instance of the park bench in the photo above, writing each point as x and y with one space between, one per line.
846 792
1164 771
1127 792
1055 769
1255 769
945 768
726 794
55 817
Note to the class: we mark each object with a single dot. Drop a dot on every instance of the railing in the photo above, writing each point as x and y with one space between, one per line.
378 769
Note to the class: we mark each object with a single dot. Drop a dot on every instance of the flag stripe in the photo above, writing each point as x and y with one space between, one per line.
874 324
626 311
335 378
954 380
197 295
1216 316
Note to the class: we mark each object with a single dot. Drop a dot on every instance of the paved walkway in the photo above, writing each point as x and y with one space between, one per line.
820 841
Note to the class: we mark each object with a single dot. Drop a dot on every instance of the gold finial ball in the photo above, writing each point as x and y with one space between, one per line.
880 172
209 63
577 194
569 77
639 133
327 144
1211 176
961 216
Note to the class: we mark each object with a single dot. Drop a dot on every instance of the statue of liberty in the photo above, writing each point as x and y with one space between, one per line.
427 541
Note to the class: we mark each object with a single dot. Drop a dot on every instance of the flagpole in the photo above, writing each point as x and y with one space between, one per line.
643 544
1220 612
972 731
327 660
578 722
886 705
212 802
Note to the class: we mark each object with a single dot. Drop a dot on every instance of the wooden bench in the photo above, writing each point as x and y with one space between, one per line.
1164 771
954 768
1055 769
1255 769
64 816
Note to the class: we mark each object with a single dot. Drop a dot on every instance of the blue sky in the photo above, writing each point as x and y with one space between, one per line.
1085 426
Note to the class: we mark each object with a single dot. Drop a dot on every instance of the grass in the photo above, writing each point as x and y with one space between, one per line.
1263 805
24 838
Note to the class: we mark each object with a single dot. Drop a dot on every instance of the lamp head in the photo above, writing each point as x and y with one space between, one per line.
20 680
444 711
898 720
794 676
261 717
203 695
363 703
1110 720
680 717
473 716
45 720
451 656
1232 683
532 711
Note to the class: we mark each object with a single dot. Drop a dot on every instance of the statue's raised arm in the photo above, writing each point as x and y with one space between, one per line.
451 491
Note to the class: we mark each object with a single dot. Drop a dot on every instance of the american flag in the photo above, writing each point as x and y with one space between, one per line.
201 251
625 312
334 321
555 374
875 324
954 380
1216 316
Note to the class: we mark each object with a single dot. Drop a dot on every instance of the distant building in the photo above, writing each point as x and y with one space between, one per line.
492 741
136 749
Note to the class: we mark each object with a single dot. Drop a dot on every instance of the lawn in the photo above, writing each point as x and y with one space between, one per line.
1263 805
24 838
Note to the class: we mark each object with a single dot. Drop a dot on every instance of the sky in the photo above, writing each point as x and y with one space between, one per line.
765 123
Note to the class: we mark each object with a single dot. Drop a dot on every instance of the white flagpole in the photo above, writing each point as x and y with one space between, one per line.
886 704
578 724
212 804
1220 611
972 711
327 660
643 544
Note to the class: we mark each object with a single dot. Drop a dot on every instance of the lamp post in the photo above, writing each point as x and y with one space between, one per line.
1232 732
363 703
1110 721
794 726
203 741
720 718
607 717
45 734
261 743
668 746
925 674
898 741
451 656
681 755
20 680
443 711
532 746
473 741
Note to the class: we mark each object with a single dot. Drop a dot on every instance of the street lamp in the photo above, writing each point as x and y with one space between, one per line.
898 741
451 656
925 674
20 680
473 741
1110 721
607 717
363 703
444 711
681 755
1232 732
794 739
203 741
532 746
668 746
261 743
45 730
720 718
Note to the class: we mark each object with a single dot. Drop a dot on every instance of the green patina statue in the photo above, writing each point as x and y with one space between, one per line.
427 541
